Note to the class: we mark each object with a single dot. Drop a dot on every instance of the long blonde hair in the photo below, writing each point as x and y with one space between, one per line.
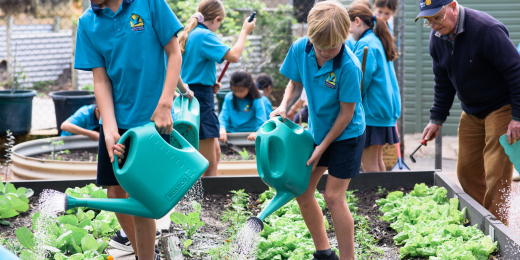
329 24
210 9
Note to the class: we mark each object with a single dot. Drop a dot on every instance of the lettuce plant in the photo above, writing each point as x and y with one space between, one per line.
13 201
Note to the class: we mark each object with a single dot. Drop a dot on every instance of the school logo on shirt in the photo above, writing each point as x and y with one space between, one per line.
247 108
428 2
330 82
137 23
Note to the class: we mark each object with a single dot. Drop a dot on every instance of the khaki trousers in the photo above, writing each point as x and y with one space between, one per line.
483 168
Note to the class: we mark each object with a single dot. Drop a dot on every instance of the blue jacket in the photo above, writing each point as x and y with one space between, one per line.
381 98
482 68
247 119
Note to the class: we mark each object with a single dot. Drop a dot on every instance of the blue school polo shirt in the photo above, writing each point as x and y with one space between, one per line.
518 48
267 104
203 50
337 81
130 45
381 98
84 117
248 118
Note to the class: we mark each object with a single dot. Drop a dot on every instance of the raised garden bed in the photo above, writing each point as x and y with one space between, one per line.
217 198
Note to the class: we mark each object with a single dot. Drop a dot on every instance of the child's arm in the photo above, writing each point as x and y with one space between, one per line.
162 115
105 101
345 115
183 89
293 91
223 119
74 129
233 55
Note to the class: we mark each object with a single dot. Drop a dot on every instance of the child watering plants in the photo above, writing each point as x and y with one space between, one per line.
381 98
330 74
85 121
123 43
201 50
243 109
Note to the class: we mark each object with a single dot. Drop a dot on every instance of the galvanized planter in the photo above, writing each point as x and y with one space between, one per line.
508 241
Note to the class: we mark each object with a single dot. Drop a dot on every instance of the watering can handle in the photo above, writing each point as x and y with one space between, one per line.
115 164
184 105
264 160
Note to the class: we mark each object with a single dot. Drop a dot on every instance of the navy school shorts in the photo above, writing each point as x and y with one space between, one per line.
343 158
105 173
209 125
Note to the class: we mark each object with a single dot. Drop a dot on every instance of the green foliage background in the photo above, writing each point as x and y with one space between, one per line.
273 24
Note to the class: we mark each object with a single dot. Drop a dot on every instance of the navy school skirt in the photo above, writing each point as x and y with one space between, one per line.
380 135
209 126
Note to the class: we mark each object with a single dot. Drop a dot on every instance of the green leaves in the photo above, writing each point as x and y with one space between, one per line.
25 237
13 201
191 222
430 225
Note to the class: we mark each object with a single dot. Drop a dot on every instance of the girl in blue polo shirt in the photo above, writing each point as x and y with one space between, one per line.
331 76
123 42
385 9
202 49
350 40
243 109
381 98
265 83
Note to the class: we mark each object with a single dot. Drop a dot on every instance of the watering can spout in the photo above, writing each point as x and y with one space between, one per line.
281 198
125 206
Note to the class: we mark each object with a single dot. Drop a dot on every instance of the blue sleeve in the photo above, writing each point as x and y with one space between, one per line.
223 117
213 48
80 117
518 48
86 56
371 64
164 22
349 83
290 64
260 113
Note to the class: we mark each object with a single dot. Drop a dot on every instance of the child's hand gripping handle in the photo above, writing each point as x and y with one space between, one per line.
128 134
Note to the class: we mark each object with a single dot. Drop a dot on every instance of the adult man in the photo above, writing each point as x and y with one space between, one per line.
474 57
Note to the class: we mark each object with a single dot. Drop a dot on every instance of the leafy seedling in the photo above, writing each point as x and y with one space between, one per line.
13 201
186 244
191 222
245 155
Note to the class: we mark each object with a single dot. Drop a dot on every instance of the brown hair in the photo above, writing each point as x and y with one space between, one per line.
390 4
242 78
328 24
210 9
381 29
263 80
361 2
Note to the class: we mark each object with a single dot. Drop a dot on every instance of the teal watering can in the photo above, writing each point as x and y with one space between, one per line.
155 175
282 151
7 255
187 122
512 150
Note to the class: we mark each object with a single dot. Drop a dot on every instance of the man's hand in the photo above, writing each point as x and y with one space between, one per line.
252 136
431 131
280 111
513 131
162 116
315 157
216 87
223 135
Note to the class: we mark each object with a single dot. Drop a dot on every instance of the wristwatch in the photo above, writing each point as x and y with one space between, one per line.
187 90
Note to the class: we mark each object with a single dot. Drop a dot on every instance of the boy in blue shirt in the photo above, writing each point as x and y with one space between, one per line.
331 76
85 121
123 42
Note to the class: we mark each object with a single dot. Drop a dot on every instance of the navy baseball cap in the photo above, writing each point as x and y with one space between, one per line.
431 7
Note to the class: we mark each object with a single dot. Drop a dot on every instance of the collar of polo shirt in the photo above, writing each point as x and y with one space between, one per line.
336 64
96 8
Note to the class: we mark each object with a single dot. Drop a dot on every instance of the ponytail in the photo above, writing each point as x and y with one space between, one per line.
378 25
383 33
183 36
209 10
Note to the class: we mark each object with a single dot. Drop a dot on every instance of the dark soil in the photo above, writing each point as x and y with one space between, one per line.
78 155
24 219
230 155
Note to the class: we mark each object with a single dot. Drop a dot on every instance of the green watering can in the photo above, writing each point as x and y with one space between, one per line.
155 175
187 122
282 151
512 150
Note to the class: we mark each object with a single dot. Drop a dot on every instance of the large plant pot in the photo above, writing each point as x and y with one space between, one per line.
16 111
66 103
